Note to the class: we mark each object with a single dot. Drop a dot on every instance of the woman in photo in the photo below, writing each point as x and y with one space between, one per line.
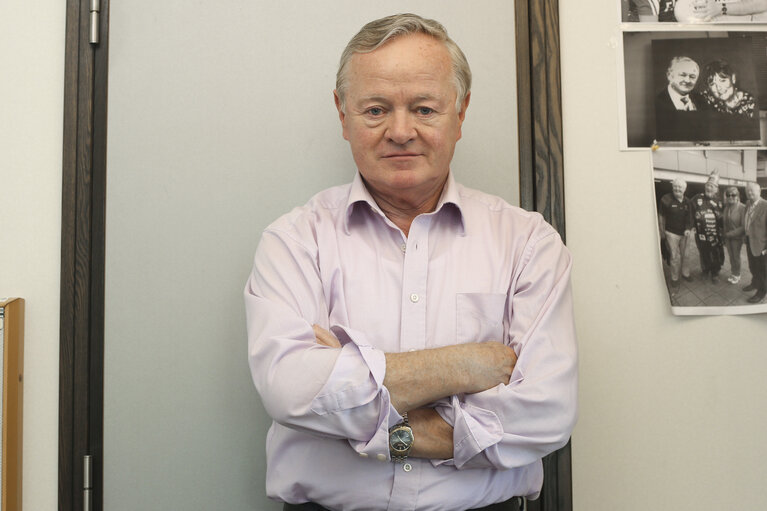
734 230
721 93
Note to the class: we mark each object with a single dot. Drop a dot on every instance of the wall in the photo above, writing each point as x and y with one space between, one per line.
210 139
672 409
31 102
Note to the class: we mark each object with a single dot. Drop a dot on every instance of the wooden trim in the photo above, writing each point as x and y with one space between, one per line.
13 401
540 110
541 172
82 252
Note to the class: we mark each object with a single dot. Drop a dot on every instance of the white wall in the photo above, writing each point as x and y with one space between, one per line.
673 410
31 117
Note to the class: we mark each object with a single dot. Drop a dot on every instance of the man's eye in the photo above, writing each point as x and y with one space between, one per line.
375 111
425 110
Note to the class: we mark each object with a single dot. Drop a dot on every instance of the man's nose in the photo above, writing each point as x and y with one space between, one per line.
401 127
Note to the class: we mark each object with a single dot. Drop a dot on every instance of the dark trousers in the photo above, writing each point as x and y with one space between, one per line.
513 504
758 267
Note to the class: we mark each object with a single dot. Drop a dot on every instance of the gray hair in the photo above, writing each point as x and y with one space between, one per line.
679 59
376 33
681 182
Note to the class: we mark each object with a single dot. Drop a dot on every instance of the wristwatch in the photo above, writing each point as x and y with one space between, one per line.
400 440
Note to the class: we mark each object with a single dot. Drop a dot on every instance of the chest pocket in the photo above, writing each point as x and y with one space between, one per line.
479 317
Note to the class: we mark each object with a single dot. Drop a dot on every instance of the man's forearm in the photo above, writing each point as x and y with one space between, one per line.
420 377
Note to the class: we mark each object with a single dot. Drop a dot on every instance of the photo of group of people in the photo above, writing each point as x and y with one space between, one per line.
712 225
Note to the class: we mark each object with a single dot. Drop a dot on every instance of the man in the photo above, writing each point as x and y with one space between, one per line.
756 242
652 10
675 218
682 75
707 216
678 106
412 339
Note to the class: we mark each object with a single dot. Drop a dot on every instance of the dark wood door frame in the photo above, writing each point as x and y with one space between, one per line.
541 175
82 256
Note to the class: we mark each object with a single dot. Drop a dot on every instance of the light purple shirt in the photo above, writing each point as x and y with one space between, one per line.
476 269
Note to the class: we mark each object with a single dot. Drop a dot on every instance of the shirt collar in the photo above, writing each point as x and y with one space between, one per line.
676 98
359 193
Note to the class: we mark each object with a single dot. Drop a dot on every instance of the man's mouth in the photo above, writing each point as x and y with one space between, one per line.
400 155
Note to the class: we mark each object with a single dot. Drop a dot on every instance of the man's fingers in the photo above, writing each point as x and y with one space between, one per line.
324 337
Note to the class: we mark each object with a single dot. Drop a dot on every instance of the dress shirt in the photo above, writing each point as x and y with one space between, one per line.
681 102
475 269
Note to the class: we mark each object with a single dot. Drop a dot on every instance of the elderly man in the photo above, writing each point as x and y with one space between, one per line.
675 219
678 107
682 75
756 242
707 212
411 338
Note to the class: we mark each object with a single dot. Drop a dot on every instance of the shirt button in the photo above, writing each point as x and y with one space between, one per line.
363 455
403 247
407 467
381 457
414 298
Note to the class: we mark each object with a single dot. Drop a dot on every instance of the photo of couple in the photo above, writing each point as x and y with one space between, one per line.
695 89
702 102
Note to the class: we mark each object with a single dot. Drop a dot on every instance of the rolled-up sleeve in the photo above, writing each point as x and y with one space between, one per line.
517 424
331 392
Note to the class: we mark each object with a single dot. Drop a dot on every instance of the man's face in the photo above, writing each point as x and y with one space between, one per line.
711 190
721 87
683 76
400 117
678 190
752 192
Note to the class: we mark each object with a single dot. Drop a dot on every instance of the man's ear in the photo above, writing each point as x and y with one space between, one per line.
464 106
462 113
341 113
734 79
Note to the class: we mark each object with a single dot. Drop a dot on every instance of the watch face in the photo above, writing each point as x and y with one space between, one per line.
401 439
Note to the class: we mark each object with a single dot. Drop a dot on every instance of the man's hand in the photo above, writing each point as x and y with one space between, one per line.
485 365
325 338
433 436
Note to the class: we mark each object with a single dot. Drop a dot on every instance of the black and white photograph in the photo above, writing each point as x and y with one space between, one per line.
693 11
695 89
712 226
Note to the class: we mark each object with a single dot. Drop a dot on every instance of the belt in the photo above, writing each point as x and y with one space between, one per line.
513 504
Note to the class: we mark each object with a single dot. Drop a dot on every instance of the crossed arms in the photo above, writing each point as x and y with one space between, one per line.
470 405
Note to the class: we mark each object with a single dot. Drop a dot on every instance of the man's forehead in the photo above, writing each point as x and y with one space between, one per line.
685 66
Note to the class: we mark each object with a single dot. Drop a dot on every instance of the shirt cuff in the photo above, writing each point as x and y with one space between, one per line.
474 430
359 390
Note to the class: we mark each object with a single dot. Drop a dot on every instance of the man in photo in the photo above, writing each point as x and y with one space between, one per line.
675 219
756 242
651 11
682 75
678 105
707 215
